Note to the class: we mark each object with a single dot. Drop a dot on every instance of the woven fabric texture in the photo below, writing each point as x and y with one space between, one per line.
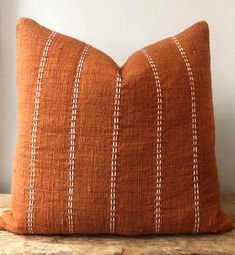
107 149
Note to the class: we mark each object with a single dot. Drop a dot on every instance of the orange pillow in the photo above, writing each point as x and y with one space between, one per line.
107 149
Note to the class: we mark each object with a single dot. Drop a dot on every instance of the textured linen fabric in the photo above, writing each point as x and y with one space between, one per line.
107 149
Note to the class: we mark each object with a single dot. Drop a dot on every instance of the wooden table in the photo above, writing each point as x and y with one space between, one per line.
219 244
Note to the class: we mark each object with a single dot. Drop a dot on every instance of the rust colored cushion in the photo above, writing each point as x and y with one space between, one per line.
107 149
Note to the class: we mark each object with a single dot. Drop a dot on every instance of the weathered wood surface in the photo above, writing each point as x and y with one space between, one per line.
185 244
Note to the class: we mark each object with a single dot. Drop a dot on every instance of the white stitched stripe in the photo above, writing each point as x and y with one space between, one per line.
194 135
32 171
159 141
115 153
73 138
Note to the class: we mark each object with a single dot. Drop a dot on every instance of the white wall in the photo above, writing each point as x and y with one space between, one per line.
119 28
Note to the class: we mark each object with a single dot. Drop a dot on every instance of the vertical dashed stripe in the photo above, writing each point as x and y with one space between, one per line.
32 172
115 153
159 110
194 135
73 139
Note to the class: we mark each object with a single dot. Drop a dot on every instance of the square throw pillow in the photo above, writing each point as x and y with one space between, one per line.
107 149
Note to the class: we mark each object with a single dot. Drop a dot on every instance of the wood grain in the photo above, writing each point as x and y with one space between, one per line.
220 244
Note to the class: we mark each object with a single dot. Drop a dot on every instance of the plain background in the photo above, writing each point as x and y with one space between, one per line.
119 28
